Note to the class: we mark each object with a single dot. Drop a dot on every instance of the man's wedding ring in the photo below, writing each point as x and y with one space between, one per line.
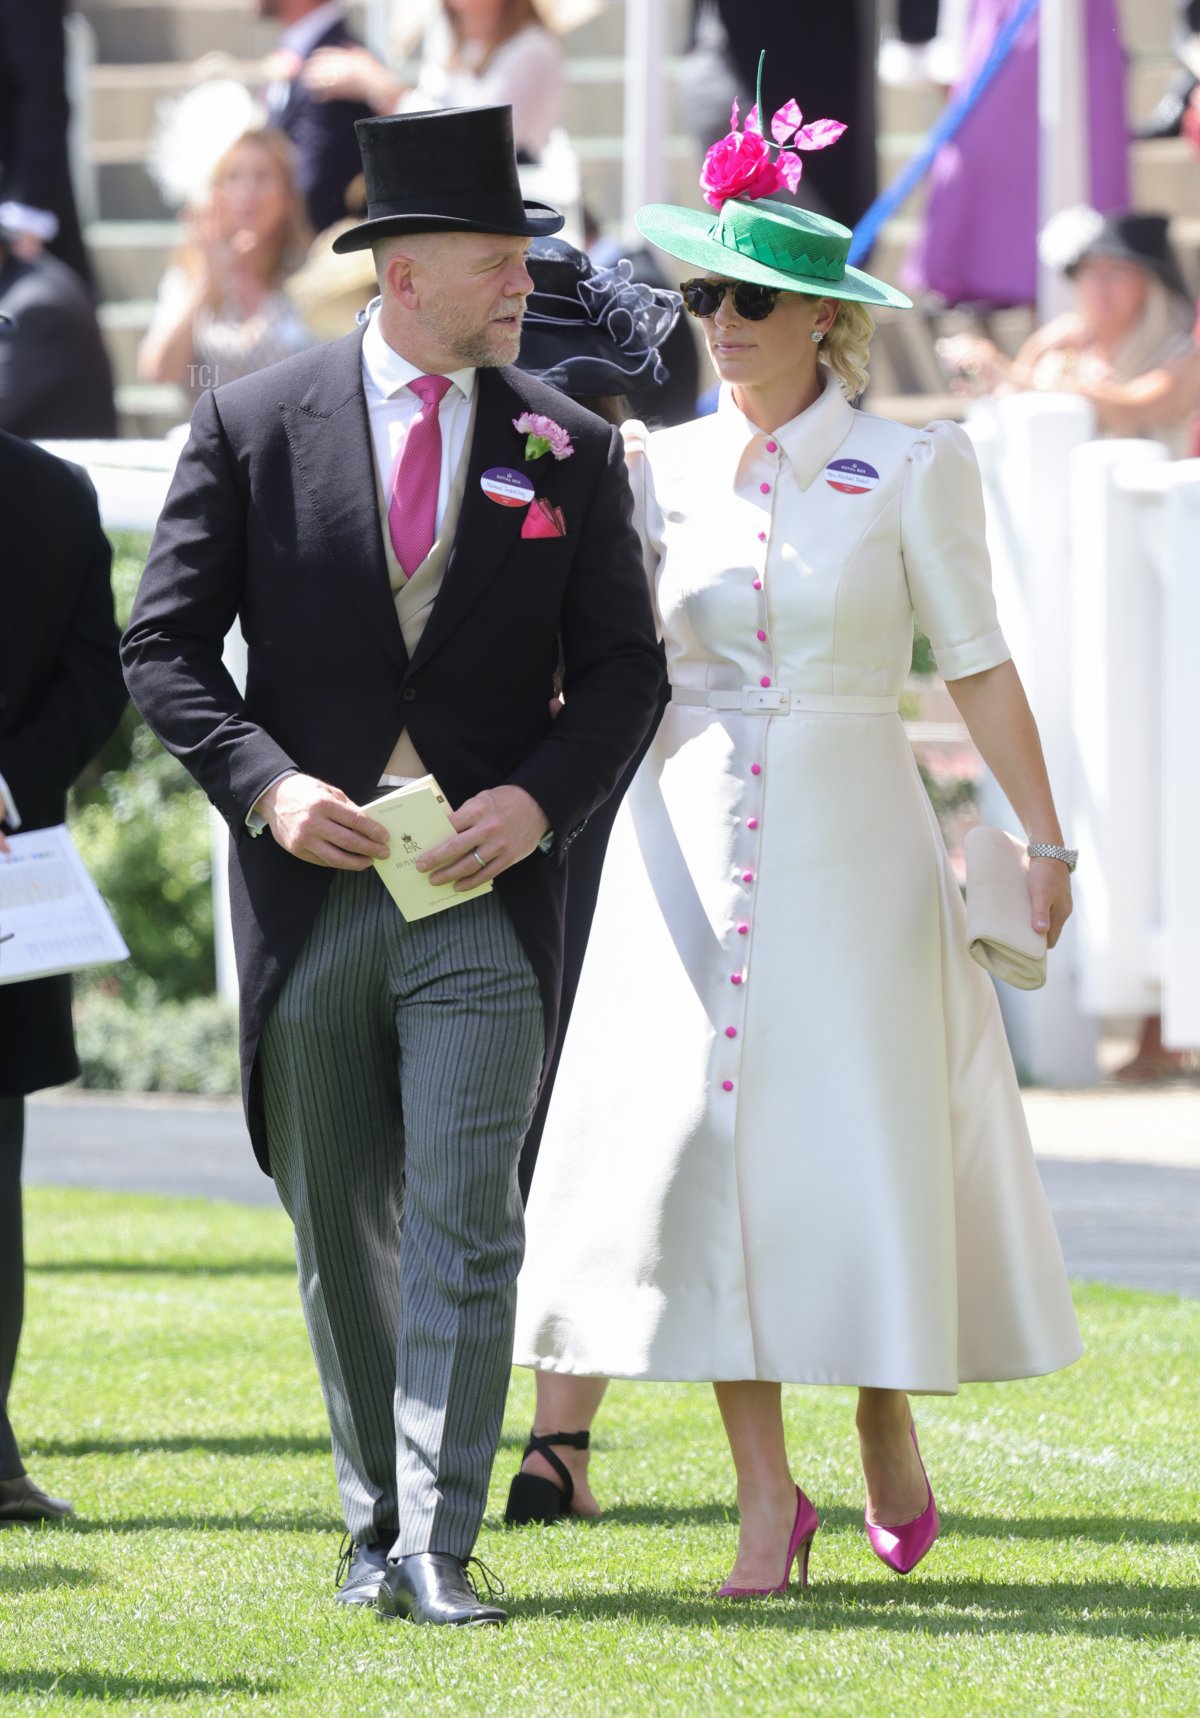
482 863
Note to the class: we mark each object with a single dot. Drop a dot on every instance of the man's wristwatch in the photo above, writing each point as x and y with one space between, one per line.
1048 850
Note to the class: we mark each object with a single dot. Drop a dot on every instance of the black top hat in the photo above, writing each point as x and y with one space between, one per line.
447 171
592 331
1136 238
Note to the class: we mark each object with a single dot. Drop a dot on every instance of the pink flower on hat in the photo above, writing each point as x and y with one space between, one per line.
741 164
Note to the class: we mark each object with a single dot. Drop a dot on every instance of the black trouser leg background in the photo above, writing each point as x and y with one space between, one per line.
12 1270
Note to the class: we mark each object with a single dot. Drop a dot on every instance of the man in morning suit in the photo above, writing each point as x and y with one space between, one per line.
321 132
354 506
61 695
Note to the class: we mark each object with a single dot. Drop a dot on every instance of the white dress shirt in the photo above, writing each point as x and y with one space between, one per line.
392 408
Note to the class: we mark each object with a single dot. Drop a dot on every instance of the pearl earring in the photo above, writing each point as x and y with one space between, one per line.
817 335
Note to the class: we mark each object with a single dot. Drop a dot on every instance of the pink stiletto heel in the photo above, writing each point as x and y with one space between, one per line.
902 1548
800 1544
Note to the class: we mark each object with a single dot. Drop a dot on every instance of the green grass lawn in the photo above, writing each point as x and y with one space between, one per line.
166 1387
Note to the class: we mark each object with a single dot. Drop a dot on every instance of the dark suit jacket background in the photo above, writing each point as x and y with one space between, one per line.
823 55
273 513
34 166
322 133
61 696
55 378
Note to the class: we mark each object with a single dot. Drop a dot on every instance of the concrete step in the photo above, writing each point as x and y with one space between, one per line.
124 98
126 192
123 324
130 256
1165 174
1166 177
147 410
135 31
918 109
146 30
1147 25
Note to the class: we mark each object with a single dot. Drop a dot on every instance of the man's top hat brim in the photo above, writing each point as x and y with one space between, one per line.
445 170
540 220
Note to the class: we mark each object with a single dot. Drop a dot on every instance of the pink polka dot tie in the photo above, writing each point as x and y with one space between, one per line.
412 510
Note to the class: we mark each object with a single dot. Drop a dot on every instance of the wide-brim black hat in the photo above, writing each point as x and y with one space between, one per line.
592 331
1140 238
452 170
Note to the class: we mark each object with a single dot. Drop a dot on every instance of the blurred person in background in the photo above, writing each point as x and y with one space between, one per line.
37 202
320 131
222 310
474 53
1127 347
977 242
55 377
61 696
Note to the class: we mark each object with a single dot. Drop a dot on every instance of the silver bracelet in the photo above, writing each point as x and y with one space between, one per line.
1048 850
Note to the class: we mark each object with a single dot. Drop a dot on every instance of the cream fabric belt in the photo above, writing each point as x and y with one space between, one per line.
778 701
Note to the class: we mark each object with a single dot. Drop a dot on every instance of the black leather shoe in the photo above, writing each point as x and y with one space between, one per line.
360 1572
21 1500
433 1587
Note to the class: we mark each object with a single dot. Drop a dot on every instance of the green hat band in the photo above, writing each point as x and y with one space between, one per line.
781 240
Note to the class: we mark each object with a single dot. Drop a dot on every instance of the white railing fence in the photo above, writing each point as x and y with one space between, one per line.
1096 559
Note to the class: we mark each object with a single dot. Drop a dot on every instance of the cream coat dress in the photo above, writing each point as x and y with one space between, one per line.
786 1140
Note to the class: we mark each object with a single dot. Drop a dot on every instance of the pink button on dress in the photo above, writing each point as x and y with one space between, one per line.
873 1082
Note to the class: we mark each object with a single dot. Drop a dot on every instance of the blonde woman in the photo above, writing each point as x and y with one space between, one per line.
786 1144
222 310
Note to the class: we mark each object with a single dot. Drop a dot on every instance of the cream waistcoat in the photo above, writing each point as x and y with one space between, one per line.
415 597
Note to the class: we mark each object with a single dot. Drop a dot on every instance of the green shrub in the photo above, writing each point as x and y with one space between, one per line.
145 836
144 831
172 1047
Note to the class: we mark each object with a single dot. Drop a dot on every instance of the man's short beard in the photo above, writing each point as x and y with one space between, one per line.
476 348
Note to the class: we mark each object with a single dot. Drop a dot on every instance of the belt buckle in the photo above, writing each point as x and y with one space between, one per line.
765 700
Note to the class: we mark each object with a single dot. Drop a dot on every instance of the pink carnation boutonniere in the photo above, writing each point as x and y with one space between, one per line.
741 164
543 435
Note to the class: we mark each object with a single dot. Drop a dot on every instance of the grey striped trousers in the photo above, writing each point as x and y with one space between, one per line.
400 1065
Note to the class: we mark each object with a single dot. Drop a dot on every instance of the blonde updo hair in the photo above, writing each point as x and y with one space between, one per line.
846 347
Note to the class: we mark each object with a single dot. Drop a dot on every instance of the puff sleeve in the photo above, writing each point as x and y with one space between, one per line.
647 515
945 553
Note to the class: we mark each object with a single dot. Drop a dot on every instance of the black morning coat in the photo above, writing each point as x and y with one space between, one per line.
61 696
273 516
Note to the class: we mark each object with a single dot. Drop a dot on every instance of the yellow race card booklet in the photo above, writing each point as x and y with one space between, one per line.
416 817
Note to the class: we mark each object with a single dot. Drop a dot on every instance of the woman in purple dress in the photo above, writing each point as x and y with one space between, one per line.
978 237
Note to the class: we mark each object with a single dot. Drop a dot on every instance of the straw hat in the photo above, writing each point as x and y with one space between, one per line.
751 236
768 244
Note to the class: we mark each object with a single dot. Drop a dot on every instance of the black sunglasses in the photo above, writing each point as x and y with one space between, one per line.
704 298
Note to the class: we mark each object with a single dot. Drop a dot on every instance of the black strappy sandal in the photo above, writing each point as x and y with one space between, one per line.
532 1499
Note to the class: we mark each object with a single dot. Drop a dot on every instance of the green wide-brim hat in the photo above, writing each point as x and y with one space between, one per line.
768 244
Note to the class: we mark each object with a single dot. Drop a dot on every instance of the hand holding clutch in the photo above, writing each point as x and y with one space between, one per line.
1000 931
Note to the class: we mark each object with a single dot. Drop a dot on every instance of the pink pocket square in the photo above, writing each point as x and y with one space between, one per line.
544 519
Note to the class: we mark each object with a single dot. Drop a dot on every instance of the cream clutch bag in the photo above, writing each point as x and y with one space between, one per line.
999 933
